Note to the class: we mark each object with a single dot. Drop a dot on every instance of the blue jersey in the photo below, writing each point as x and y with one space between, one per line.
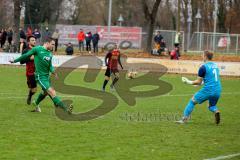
210 73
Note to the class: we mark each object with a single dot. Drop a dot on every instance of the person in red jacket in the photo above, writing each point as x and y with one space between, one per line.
81 38
174 54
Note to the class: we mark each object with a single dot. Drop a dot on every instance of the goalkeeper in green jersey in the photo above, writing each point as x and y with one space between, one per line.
43 70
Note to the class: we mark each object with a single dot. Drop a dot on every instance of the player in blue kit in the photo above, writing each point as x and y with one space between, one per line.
208 73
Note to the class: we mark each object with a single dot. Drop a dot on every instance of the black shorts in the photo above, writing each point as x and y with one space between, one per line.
110 71
31 82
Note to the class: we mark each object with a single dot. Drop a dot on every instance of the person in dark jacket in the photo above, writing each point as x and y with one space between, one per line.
22 33
37 35
46 34
158 38
3 37
10 36
69 50
1 32
88 41
95 39
22 45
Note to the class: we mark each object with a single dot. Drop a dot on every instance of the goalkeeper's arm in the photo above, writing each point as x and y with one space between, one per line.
198 81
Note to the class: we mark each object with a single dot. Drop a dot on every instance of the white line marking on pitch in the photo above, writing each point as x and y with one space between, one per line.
167 95
224 157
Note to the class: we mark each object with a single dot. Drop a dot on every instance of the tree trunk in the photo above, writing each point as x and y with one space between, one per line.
150 36
150 18
17 11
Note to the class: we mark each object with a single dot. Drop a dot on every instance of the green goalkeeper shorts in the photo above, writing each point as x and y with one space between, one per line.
44 82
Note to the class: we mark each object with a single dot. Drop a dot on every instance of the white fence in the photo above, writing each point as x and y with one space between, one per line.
180 67
218 42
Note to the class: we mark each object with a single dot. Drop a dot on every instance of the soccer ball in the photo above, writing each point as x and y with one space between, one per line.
132 75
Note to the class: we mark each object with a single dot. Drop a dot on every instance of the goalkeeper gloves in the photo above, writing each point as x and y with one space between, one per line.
186 80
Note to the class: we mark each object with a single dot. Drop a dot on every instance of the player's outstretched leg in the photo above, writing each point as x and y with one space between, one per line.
216 112
58 102
187 112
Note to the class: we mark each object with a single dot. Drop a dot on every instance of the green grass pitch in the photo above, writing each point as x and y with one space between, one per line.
119 134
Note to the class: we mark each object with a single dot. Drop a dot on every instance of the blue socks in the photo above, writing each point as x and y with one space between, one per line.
189 108
213 108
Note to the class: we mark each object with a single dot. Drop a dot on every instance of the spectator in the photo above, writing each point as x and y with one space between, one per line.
46 34
22 33
3 37
1 32
158 38
163 47
95 39
174 54
177 39
88 41
81 38
37 35
56 36
69 50
22 45
0 35
10 36
177 42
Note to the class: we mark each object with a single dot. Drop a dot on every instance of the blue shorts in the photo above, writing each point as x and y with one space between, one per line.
204 95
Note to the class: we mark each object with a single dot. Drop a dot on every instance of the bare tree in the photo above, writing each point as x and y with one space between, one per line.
6 11
17 11
150 17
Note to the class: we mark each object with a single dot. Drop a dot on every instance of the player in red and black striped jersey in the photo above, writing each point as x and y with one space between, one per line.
112 59
30 69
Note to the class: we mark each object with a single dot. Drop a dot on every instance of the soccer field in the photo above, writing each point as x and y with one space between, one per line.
127 132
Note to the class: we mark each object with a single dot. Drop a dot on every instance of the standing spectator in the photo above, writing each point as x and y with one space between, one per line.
22 33
22 45
95 40
177 42
81 38
177 39
37 35
88 41
3 37
46 35
158 38
69 50
10 36
56 36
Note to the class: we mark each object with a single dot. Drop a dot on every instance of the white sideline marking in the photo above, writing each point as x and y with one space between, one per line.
20 96
224 157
